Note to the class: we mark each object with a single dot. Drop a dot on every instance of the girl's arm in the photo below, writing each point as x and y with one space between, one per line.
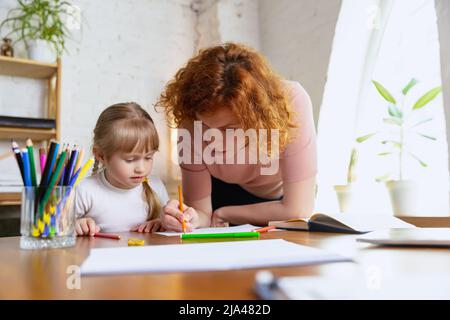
298 202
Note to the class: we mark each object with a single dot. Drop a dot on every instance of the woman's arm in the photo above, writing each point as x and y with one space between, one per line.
298 202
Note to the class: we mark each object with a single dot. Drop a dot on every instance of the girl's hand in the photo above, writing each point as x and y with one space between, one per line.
218 220
148 226
172 216
86 226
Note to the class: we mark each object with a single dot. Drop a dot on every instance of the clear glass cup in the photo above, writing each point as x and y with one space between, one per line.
47 218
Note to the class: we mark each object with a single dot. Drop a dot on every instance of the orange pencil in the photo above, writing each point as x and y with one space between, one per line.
107 235
180 199
265 229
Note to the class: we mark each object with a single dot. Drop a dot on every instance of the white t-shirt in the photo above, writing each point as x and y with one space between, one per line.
114 209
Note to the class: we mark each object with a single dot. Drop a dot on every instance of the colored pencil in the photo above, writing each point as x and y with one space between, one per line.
180 199
53 180
32 163
16 150
26 167
42 157
83 171
107 235
79 159
70 166
264 229
251 234
50 161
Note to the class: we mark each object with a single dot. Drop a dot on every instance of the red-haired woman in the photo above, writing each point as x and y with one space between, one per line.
230 87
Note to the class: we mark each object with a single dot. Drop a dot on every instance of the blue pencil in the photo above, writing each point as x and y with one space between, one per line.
61 179
71 166
74 178
26 167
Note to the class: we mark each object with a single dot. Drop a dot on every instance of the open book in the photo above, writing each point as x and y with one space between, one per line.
342 222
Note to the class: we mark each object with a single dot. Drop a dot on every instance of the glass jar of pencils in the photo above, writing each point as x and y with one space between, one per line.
47 217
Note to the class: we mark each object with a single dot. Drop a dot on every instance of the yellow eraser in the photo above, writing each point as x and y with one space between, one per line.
135 242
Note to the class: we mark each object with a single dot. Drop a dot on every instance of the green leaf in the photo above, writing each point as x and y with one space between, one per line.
423 164
364 138
384 153
351 166
394 111
421 122
427 97
384 92
410 84
382 178
394 121
394 143
426 136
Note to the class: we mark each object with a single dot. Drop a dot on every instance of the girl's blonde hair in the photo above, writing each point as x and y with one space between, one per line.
126 127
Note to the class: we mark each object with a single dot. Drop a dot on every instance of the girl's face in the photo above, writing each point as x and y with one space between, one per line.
128 170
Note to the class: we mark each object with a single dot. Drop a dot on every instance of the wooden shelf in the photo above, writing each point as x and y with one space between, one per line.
27 68
7 133
10 198
51 74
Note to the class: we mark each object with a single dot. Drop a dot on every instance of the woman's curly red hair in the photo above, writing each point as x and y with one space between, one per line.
234 76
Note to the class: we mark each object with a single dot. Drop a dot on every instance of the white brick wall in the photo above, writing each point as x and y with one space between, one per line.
228 20
296 37
125 51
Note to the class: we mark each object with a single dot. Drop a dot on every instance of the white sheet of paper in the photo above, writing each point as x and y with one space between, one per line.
241 228
203 257
357 287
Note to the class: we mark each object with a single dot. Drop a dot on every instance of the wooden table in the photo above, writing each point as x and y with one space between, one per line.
42 274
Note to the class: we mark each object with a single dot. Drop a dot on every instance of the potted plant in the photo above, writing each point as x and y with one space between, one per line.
403 192
345 192
40 24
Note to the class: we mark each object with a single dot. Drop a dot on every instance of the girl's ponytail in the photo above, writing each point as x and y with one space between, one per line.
95 167
154 206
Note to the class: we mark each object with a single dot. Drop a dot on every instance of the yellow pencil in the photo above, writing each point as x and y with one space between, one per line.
83 170
79 159
180 198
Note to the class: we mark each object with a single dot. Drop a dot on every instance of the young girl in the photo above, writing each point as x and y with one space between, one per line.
121 195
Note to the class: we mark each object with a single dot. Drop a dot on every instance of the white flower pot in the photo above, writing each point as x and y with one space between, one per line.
41 50
345 196
404 197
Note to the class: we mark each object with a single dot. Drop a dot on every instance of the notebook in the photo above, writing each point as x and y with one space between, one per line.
342 222
427 237
204 257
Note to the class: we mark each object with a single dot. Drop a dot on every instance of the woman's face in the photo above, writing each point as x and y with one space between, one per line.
222 119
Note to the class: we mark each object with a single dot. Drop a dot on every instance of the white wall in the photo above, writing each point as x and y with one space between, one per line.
125 51
443 20
221 21
296 37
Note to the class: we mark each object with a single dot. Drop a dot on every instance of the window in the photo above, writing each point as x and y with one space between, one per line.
402 44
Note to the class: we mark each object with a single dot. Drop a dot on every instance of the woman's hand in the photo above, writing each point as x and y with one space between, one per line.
86 226
218 220
148 226
172 217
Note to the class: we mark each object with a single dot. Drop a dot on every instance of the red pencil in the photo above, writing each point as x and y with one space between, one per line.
107 235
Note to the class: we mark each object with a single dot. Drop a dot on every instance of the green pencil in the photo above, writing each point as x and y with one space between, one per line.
251 234
32 165
53 181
